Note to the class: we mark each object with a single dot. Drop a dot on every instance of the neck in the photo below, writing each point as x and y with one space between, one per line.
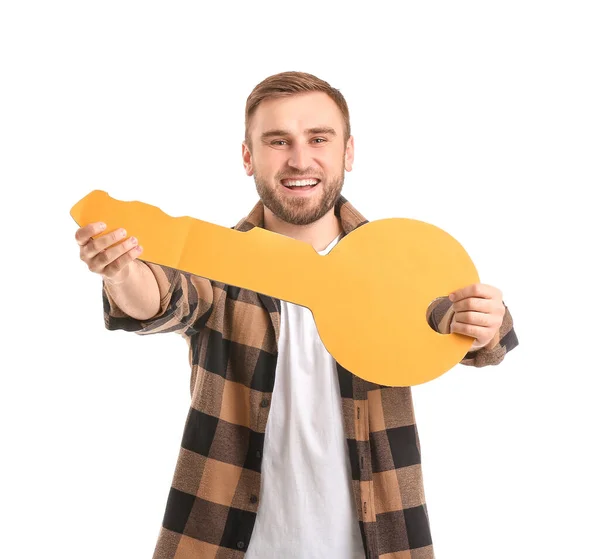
318 234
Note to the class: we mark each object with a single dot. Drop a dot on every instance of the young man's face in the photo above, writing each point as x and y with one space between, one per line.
298 137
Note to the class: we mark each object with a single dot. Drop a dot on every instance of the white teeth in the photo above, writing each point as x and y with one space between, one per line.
299 183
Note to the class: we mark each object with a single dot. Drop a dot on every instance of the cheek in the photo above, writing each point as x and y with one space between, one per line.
273 169
265 173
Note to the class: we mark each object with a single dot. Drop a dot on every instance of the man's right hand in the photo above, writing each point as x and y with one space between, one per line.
109 255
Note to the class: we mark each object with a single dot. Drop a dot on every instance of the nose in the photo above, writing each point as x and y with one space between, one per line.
299 156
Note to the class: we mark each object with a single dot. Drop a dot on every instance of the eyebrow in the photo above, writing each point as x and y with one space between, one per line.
281 132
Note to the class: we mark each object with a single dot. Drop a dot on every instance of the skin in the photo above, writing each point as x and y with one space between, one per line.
108 255
300 152
306 216
479 313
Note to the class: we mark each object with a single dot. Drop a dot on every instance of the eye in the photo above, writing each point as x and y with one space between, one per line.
280 142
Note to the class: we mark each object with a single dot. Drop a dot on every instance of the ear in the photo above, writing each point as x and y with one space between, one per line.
349 155
247 160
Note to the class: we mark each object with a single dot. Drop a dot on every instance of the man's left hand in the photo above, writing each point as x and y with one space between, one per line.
479 312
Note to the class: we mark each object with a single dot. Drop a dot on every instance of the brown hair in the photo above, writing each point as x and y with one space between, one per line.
286 84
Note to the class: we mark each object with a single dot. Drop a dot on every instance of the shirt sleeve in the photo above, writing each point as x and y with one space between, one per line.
186 302
439 317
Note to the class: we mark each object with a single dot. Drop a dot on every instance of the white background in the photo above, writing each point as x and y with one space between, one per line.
482 118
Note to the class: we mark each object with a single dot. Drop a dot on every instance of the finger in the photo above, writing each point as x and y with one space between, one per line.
477 332
122 262
106 257
84 234
476 319
96 246
475 304
479 290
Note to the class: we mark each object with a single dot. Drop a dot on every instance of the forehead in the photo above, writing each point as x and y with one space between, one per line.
297 113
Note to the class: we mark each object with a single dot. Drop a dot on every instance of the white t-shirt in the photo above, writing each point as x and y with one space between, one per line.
306 508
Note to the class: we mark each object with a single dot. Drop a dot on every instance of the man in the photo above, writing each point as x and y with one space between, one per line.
335 472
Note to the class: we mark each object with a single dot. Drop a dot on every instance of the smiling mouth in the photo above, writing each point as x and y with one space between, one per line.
301 187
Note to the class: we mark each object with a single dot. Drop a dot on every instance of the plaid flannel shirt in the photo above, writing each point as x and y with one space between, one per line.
232 335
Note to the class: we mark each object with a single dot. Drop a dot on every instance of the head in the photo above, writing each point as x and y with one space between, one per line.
297 127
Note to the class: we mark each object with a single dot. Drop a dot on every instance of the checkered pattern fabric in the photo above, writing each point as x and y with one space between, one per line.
232 335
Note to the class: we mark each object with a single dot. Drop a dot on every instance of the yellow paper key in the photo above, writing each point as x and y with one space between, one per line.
368 296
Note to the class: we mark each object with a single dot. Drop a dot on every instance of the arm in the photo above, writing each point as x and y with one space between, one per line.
440 317
140 296
177 302
137 293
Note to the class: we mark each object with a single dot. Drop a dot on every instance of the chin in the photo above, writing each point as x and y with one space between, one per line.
298 210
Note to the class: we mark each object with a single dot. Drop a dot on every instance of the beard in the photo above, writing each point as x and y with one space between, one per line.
299 210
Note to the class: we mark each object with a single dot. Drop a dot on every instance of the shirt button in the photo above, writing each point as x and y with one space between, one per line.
253 499
241 545
264 403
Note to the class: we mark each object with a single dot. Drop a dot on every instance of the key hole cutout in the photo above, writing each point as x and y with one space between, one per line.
436 315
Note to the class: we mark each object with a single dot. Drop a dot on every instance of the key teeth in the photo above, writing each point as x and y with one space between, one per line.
152 207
